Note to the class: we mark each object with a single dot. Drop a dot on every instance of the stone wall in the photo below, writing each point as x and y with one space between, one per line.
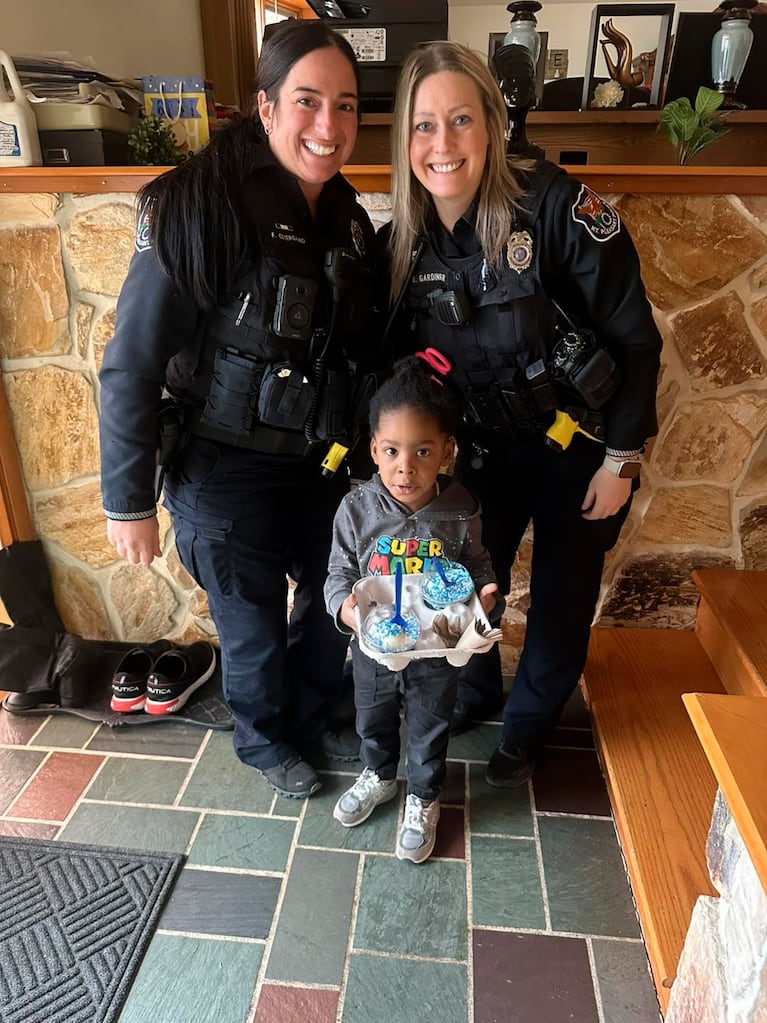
703 499
722 973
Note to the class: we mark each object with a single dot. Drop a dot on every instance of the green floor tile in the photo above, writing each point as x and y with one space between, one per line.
192 980
505 884
377 834
624 982
476 744
585 878
130 827
498 811
403 991
417 910
65 732
138 781
222 782
247 843
312 931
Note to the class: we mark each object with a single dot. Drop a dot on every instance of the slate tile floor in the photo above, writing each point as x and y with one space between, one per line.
524 915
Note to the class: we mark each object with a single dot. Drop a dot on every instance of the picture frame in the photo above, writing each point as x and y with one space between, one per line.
495 42
663 12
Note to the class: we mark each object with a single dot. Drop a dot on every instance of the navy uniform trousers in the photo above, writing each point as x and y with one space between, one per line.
427 690
243 521
518 483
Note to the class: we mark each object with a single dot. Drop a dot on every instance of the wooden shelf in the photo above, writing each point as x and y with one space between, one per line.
641 180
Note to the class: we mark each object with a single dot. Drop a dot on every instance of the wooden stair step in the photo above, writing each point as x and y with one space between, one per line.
733 733
660 783
731 626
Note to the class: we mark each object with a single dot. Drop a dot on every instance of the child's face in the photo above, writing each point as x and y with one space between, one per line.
409 449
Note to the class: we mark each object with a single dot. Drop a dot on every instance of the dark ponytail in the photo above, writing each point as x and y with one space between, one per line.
197 222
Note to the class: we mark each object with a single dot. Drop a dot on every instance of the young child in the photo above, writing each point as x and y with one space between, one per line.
413 421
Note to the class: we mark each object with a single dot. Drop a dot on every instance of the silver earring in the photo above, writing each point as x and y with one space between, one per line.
267 130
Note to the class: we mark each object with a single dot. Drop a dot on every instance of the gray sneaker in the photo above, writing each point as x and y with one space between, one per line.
418 831
358 802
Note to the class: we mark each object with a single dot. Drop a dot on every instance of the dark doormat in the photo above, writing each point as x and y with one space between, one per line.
206 708
75 922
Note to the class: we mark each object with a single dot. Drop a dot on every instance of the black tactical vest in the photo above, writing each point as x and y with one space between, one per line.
511 321
283 349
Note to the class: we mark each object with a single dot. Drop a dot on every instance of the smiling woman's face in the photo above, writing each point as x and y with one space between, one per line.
448 142
312 123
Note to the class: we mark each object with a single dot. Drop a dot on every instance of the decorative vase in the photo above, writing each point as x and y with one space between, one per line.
523 29
730 48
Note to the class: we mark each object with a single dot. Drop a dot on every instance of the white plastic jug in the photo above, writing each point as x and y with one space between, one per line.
19 142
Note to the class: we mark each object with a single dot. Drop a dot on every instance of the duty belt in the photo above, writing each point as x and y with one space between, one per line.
264 439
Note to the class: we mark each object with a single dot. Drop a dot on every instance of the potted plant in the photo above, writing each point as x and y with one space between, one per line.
153 144
690 129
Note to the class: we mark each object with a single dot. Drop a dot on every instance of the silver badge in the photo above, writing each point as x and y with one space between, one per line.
519 250
358 238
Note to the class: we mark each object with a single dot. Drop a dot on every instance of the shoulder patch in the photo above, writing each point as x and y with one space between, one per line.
143 241
597 216
358 238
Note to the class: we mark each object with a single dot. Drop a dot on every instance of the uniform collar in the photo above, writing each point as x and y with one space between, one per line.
462 240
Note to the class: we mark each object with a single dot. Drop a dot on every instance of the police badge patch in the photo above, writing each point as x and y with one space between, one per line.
358 238
143 241
596 215
519 250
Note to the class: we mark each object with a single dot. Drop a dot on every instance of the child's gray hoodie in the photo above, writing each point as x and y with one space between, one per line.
373 532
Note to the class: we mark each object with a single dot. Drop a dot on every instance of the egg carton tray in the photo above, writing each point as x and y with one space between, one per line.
463 631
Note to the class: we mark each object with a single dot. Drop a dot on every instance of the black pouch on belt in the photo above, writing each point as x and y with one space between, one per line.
233 393
285 398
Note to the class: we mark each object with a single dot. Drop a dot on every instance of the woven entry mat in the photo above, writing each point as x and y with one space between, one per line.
206 707
75 922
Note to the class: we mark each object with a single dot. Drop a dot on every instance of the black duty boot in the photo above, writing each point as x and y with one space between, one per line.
510 766
293 778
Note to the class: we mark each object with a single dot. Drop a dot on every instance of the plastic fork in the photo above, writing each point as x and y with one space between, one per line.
397 618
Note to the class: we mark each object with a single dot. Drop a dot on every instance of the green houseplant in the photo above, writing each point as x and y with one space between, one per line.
691 129
152 144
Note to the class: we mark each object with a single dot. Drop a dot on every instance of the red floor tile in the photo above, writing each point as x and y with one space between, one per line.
278 1004
532 978
56 788
27 829
450 836
17 731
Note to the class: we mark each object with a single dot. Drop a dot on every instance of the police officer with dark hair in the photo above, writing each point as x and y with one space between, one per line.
244 323
529 284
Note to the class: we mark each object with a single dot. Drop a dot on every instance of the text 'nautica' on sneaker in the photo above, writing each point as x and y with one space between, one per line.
358 802
129 681
418 831
175 676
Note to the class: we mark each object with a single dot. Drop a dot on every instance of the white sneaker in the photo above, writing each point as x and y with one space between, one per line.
358 802
418 831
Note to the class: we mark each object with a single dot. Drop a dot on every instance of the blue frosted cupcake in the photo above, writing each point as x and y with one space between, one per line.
456 587
381 633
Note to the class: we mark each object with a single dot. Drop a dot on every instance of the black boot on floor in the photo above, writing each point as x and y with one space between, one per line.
510 766
293 778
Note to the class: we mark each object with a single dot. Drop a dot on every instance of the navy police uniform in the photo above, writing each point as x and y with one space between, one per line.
265 381
568 255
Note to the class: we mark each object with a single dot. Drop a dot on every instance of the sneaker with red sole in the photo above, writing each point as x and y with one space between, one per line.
129 681
176 675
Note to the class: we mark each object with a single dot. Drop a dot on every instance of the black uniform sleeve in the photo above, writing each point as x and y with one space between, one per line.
154 321
590 267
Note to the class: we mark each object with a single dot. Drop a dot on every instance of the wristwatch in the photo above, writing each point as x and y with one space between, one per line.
627 470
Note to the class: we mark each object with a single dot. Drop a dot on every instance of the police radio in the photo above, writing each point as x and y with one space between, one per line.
451 308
